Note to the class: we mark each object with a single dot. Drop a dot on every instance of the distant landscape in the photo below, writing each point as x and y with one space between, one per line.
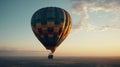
59 62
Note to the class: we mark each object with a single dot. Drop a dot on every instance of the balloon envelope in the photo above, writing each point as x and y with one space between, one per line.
51 26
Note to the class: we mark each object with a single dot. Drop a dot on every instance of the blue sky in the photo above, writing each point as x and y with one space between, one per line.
96 26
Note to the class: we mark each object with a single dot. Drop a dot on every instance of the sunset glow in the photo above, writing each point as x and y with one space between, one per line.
95 30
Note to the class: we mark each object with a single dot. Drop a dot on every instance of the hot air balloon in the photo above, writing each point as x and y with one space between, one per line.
51 25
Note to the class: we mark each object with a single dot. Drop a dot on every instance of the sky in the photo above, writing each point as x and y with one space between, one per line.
95 28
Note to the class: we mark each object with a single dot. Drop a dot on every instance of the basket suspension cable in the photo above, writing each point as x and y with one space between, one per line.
44 51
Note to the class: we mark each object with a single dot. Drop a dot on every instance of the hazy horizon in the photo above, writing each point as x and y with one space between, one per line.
28 53
58 62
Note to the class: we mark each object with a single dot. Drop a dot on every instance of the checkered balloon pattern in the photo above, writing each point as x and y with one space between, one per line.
51 25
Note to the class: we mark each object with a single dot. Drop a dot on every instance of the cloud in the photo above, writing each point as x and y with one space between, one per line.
18 52
108 27
22 53
89 27
83 19
116 19
81 7
97 5
107 5
80 10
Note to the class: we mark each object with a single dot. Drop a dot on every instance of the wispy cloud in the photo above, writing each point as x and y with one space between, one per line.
106 5
83 19
22 53
90 27
108 27
18 52
96 5
81 7
116 19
